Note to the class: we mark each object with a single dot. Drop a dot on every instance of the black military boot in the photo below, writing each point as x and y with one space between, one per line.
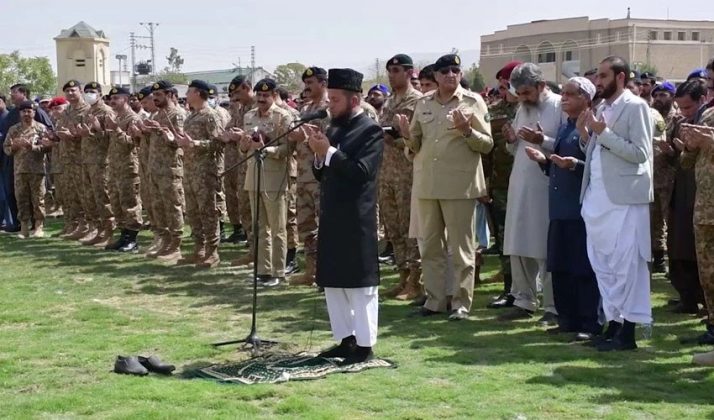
623 340
223 236
130 244
345 349
658 265
115 246
233 239
291 265
612 329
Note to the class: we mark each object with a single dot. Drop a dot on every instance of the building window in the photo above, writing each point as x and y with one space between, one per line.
619 36
667 36
500 48
653 36
79 63
568 56
547 57
488 50
695 36
597 38
681 36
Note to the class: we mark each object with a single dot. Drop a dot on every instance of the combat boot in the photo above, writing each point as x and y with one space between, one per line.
38 231
308 278
66 229
155 244
211 259
412 289
172 251
114 246
163 242
24 230
246 259
130 244
399 287
198 255
78 232
104 238
89 235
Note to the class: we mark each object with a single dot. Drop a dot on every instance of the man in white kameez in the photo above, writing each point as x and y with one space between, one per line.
616 192
526 231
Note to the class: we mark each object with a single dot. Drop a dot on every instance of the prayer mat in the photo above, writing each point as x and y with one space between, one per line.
271 369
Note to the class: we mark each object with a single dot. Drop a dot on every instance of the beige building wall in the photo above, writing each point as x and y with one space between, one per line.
83 54
571 46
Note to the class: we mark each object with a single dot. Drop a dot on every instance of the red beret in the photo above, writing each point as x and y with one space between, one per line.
59 100
505 72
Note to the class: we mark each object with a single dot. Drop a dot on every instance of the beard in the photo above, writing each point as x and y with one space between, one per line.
609 90
663 108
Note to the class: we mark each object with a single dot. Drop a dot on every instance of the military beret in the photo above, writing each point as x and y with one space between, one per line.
144 92
505 72
379 87
647 75
446 61
666 86
71 84
93 86
318 72
700 73
265 85
400 60
26 105
345 79
635 75
119 90
57 101
161 85
237 82
212 89
200 85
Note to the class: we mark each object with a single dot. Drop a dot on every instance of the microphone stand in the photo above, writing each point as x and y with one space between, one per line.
253 339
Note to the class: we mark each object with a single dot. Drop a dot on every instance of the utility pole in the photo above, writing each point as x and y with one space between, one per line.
151 26
121 57
252 63
377 76
132 76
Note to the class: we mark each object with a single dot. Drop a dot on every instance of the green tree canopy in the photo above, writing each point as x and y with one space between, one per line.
36 72
475 78
290 76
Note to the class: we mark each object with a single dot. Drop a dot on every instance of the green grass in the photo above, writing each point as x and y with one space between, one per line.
66 311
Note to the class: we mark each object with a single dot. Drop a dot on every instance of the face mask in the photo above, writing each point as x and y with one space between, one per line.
91 98
212 102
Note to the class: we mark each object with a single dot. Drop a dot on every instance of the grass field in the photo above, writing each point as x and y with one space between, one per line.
66 311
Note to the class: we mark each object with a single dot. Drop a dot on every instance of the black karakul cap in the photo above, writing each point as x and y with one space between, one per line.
162 85
345 79
93 86
446 61
265 85
119 90
318 72
70 84
401 60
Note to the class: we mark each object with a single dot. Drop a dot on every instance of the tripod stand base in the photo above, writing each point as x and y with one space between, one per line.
253 341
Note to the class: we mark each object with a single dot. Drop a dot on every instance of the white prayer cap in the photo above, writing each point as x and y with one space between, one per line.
586 85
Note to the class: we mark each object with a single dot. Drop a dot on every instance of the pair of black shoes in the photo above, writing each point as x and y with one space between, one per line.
238 236
617 337
269 281
504 300
291 265
349 351
141 366
125 243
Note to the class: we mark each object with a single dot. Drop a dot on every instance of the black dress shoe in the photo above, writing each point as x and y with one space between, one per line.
291 268
154 364
423 312
548 319
129 366
673 302
515 314
617 344
359 355
682 308
343 350
503 301
493 250
420 301
268 281
584 336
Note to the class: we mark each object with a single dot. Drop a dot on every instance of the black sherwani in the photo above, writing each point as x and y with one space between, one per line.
347 254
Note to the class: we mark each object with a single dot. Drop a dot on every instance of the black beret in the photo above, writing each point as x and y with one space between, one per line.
237 82
345 79
446 61
118 90
200 85
26 105
401 60
161 85
265 85
212 89
71 84
318 72
647 75
144 92
93 86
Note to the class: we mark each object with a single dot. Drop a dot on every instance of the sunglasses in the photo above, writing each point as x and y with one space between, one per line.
452 69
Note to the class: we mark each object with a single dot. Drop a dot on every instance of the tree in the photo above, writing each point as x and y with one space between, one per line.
36 72
172 72
290 76
475 78
645 67
175 61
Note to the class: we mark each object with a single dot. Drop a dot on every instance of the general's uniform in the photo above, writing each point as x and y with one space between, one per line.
272 236
448 180
29 170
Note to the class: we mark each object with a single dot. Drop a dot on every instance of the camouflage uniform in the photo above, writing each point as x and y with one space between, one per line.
124 173
497 169
663 181
203 161
308 195
225 118
29 169
71 157
292 223
57 178
166 174
272 236
395 189
703 161
145 176
94 165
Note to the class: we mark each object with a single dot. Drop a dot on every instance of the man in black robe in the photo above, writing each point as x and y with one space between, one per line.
347 161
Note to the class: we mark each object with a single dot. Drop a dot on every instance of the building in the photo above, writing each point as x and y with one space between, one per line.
568 47
222 78
82 54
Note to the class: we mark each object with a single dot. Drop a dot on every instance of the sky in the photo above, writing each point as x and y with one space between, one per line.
218 34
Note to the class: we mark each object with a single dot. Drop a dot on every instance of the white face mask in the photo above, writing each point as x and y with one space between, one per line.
91 98
212 102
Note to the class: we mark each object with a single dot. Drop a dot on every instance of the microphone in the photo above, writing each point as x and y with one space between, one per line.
314 115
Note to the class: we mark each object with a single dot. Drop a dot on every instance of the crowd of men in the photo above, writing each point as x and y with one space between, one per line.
588 187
